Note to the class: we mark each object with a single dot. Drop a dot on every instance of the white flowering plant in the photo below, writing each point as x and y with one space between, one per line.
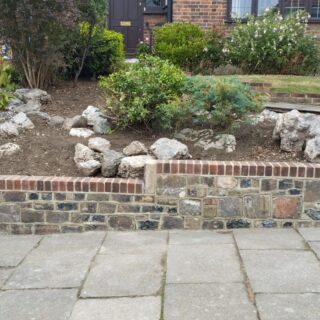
271 44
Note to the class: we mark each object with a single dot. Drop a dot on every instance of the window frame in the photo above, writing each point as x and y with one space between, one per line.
154 10
254 10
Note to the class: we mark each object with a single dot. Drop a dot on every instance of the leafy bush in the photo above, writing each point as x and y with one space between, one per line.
6 83
181 43
106 51
222 102
145 94
143 49
272 44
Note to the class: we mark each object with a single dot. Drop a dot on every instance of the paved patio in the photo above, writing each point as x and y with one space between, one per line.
179 275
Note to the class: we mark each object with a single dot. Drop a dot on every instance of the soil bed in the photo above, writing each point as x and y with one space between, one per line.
49 151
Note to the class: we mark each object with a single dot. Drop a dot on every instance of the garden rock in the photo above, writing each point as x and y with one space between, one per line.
225 142
294 128
110 163
188 134
89 168
266 116
133 167
75 122
83 153
9 129
22 121
33 95
56 121
9 149
99 144
135 148
312 151
81 132
96 119
167 149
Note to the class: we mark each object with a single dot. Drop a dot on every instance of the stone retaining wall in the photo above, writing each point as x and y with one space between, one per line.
304 98
179 194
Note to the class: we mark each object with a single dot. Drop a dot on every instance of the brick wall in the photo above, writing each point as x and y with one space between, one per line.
174 195
152 20
206 13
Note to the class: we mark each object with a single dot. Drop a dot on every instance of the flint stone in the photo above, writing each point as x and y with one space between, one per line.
167 149
135 148
110 163
96 119
89 168
312 151
22 121
133 167
9 149
75 122
190 207
81 132
9 129
99 144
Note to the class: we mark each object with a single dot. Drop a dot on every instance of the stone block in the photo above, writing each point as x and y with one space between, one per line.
148 224
192 223
121 198
210 211
128 208
88 207
238 224
60 196
171 185
312 191
212 225
256 206
268 185
170 222
197 191
245 183
14 196
227 182
285 207
190 207
57 217
230 207
9 212
121 222
46 229
32 216
67 206
43 206
46 196
285 184
21 228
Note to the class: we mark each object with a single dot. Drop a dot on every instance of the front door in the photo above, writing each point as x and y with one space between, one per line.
126 16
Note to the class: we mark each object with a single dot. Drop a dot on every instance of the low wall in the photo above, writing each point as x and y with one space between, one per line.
304 98
179 194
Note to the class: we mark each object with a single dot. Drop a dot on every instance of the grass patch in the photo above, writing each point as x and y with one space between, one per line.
287 84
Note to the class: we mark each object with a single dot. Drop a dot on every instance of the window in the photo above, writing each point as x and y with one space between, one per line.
154 6
240 8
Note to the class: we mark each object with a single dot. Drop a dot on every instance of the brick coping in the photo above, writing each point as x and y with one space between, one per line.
186 167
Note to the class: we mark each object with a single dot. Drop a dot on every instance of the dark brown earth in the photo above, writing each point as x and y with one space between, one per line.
48 150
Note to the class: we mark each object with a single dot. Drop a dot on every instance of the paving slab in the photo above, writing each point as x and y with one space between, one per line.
134 242
315 246
203 264
4 275
13 249
208 302
143 308
282 271
310 234
288 306
268 239
199 238
37 304
61 261
124 275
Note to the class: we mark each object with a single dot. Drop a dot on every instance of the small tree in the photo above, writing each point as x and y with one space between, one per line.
36 32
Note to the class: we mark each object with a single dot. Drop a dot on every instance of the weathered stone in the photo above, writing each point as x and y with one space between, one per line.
110 163
212 224
169 223
43 205
313 214
245 183
9 212
96 119
75 122
32 216
67 206
121 222
99 144
106 207
81 132
171 185
9 129
312 150
89 168
132 167
9 149
190 207
13 196
192 223
266 116
56 121
57 217
312 192
83 153
230 207
198 191
224 142
238 223
256 206
285 184
226 182
268 185
46 229
166 149
286 207
135 148
22 121
33 95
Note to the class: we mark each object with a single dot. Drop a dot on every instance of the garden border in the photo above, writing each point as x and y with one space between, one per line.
175 194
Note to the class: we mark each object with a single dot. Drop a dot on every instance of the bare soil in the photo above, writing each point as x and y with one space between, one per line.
48 150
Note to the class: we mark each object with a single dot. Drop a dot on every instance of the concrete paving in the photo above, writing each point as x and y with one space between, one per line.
177 275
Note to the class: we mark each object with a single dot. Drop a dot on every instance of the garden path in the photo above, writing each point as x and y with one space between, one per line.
177 275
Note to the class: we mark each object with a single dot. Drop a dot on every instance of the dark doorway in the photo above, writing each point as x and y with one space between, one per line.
126 16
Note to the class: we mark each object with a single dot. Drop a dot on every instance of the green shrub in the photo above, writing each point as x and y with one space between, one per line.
6 83
106 53
272 44
221 103
145 94
143 49
181 43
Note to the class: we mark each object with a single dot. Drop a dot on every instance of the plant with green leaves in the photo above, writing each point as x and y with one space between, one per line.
145 94
6 83
271 44
220 103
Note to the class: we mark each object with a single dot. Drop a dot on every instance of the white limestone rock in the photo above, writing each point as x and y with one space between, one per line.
89 168
167 149
312 151
135 148
96 119
110 163
9 149
133 167
99 144
22 121
81 132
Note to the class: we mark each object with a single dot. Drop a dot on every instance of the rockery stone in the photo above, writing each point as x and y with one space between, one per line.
167 149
